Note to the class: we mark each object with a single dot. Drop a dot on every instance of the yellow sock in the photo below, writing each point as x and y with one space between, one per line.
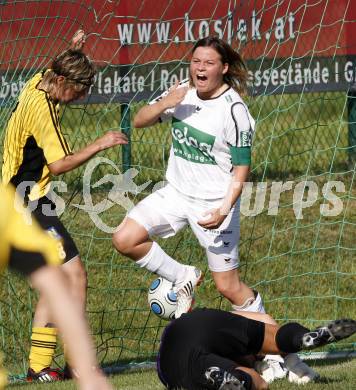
43 345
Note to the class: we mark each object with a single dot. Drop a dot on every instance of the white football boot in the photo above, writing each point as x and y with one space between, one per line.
185 290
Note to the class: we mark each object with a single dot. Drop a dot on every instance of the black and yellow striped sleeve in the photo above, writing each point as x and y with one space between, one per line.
47 131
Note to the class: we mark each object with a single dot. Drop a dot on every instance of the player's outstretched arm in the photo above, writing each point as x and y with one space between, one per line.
149 114
74 160
51 282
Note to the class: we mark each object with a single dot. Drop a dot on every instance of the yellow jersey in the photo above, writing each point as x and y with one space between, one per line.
33 140
20 233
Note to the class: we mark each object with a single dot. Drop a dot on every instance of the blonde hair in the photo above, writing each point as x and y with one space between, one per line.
75 66
237 74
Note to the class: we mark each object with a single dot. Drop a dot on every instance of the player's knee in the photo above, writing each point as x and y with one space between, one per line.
80 277
123 242
76 274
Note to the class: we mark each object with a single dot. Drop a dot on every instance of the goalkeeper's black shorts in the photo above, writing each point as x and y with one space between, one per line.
205 338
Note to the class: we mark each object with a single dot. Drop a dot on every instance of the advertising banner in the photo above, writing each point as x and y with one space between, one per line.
141 47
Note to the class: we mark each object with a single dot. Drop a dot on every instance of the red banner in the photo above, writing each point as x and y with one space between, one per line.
137 32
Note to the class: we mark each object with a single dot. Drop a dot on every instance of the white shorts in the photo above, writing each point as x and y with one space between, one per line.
166 211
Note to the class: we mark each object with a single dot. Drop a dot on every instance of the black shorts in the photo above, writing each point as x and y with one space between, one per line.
205 338
67 249
25 262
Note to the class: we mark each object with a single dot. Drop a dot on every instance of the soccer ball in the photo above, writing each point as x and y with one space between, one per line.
162 299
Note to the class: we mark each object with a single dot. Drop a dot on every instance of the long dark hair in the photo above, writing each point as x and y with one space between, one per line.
237 74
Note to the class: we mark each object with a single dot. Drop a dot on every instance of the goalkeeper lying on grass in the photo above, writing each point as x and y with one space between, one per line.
200 349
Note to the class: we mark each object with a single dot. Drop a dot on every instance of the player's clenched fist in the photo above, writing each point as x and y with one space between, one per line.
111 138
78 40
175 95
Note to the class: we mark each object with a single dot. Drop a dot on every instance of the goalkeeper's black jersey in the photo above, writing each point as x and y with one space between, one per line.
204 338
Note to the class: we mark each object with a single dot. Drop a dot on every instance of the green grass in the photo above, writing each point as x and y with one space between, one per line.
334 375
304 269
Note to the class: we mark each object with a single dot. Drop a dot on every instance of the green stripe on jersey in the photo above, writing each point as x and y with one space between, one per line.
240 156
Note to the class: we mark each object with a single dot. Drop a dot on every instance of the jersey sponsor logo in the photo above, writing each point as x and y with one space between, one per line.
217 231
192 144
245 138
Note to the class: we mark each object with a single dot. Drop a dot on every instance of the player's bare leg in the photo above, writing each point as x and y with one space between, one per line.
77 283
53 283
244 299
231 287
44 328
262 317
77 276
132 239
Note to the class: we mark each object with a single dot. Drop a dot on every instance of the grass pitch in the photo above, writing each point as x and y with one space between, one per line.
334 375
304 268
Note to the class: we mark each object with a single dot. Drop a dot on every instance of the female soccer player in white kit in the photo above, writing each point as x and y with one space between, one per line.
209 163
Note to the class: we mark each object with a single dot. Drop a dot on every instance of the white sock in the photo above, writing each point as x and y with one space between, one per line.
294 364
251 304
291 360
157 261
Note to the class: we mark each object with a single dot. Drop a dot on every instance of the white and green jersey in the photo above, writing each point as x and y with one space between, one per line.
203 134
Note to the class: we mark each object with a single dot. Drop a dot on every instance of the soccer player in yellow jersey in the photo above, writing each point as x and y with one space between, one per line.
28 249
35 149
